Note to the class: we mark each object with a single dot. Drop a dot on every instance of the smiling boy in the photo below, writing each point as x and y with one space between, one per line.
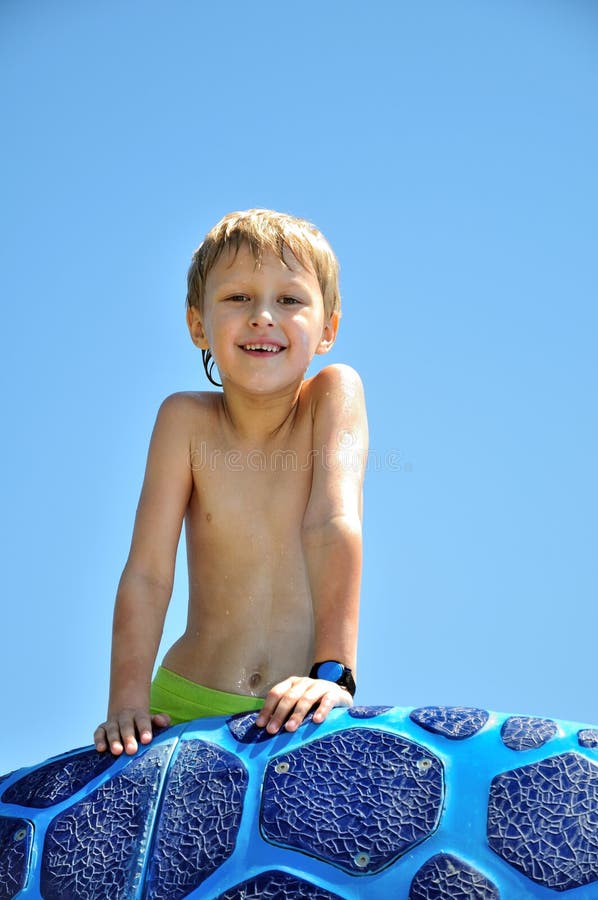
267 475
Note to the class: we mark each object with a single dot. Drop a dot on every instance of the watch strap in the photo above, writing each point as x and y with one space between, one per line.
332 670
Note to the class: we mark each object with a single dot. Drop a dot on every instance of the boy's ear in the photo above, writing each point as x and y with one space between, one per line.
328 334
195 326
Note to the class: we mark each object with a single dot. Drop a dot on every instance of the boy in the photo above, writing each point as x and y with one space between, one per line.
267 476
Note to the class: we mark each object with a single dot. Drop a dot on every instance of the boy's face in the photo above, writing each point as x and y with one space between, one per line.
262 324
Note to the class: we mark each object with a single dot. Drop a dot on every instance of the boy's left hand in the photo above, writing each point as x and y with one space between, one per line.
291 700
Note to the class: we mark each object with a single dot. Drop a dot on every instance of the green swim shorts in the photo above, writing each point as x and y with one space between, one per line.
184 700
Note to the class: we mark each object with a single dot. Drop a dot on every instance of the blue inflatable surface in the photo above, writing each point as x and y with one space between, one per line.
439 803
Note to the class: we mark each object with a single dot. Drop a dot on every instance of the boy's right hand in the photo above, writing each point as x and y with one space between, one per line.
119 732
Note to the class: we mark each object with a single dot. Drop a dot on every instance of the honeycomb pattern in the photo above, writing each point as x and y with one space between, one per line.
543 820
383 803
527 733
444 877
16 837
454 722
199 821
356 799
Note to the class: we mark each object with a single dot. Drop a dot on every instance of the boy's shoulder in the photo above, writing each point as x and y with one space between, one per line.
333 382
186 407
335 375
184 402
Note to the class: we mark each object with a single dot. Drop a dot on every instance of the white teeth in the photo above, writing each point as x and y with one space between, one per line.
271 348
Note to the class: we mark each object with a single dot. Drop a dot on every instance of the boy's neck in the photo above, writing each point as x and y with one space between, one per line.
258 419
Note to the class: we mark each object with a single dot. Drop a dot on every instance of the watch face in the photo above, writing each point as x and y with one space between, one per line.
330 670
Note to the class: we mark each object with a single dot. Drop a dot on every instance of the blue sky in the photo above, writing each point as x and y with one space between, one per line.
449 153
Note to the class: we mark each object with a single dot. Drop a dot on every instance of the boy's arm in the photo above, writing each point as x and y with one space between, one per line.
332 546
146 583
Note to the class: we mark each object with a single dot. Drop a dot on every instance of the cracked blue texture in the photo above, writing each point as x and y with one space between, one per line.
92 850
588 737
543 820
453 722
347 809
526 732
356 799
243 728
58 780
274 885
199 819
445 877
16 837
368 712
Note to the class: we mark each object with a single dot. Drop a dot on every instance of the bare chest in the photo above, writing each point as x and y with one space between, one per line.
254 494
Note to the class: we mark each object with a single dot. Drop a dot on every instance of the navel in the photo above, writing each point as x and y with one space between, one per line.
208 517
255 680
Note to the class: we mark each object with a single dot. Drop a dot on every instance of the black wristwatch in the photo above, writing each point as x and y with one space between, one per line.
331 670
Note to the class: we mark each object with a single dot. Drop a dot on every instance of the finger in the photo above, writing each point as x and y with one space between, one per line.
339 697
271 702
121 735
286 705
113 738
130 742
99 739
310 702
143 724
325 705
161 720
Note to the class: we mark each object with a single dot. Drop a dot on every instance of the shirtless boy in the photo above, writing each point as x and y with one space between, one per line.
267 475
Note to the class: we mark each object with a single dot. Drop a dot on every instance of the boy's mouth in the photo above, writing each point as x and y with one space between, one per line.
261 349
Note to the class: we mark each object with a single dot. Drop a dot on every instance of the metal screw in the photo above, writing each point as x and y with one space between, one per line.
362 860
281 768
20 834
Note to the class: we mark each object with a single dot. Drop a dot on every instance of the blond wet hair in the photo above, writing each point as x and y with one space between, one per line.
264 230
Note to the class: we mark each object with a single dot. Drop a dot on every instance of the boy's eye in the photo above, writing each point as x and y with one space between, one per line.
289 301
238 298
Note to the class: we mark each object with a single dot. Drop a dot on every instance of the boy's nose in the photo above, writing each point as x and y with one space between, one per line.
261 315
